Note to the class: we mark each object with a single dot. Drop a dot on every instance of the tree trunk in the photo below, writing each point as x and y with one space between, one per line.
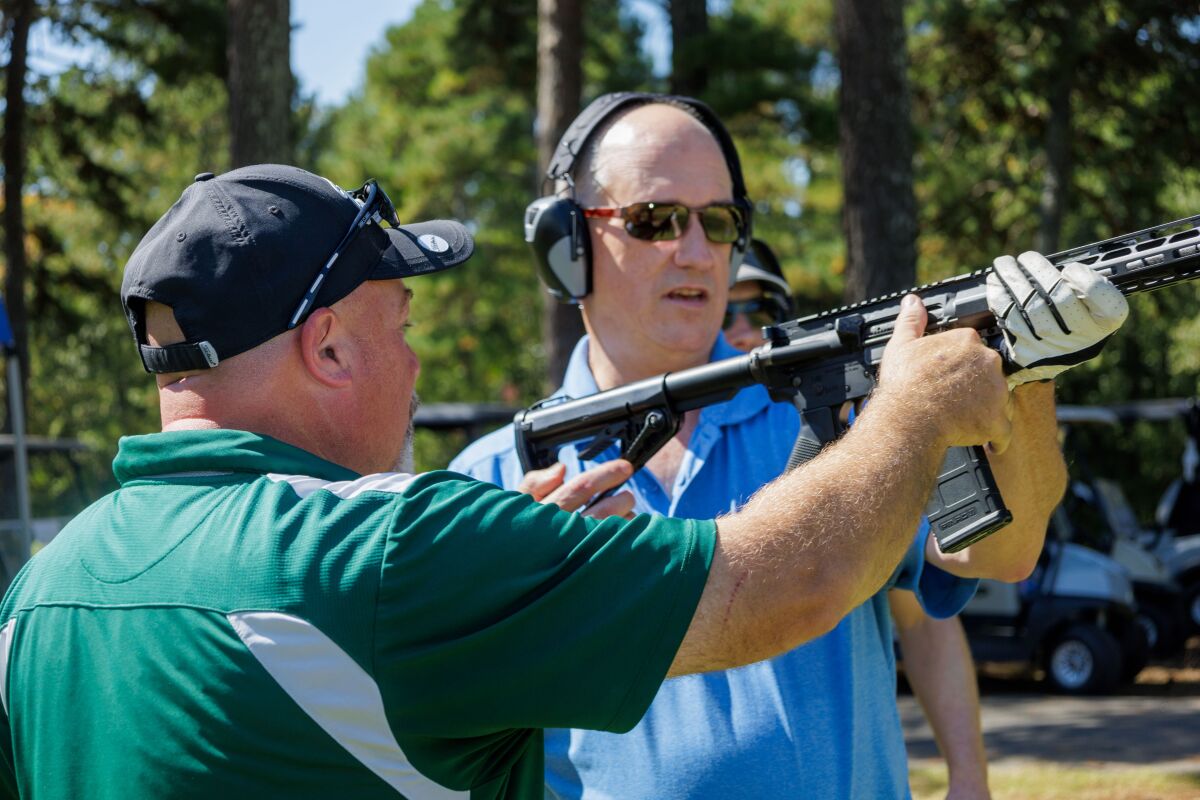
559 85
879 217
689 28
1057 181
260 82
17 265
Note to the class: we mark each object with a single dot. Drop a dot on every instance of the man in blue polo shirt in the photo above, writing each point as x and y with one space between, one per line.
658 182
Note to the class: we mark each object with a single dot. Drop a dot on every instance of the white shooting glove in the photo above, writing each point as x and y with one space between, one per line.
1052 319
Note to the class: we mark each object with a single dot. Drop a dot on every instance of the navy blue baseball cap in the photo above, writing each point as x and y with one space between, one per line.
239 253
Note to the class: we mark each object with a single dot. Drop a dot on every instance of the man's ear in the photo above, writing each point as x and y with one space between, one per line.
326 348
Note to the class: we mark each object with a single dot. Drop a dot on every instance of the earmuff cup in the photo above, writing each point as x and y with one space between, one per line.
562 249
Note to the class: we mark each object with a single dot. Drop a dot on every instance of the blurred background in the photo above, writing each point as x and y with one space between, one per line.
932 136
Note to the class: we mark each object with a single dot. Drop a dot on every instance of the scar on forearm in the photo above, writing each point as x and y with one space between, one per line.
737 587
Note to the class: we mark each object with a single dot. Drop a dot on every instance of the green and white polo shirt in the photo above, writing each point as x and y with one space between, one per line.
241 618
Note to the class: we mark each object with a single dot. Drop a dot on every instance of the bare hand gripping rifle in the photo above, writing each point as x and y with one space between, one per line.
822 361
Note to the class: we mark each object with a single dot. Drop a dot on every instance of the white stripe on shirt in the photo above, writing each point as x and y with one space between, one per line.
337 693
304 485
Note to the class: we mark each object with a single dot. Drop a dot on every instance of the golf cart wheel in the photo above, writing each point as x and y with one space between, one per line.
1135 652
1162 629
1084 660
1192 605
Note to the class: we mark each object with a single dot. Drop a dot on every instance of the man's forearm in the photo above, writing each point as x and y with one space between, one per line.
814 544
1032 476
937 662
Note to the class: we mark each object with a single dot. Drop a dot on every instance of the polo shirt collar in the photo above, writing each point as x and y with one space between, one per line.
217 450
578 381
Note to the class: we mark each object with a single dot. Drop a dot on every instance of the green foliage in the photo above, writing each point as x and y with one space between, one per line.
110 145
766 84
981 75
452 139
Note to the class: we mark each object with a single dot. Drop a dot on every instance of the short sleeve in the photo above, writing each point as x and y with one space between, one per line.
496 612
941 594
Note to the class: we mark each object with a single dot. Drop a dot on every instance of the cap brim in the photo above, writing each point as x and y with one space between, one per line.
749 272
424 247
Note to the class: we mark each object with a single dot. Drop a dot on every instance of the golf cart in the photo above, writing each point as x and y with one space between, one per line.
1158 596
1178 517
1073 618
1172 547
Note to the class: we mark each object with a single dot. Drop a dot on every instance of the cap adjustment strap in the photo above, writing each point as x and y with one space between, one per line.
181 357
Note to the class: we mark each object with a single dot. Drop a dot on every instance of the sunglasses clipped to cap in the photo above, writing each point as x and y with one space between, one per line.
373 206
760 311
723 223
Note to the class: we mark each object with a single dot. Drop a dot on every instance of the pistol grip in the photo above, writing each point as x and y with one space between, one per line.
816 430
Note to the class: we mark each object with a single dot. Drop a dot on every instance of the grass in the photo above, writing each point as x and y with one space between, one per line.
1033 781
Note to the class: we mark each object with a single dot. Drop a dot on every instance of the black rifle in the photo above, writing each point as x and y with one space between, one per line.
822 361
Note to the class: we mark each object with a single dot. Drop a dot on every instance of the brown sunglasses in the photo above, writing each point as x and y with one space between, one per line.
723 223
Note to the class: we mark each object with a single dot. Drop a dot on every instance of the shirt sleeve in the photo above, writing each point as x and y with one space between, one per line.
496 612
941 594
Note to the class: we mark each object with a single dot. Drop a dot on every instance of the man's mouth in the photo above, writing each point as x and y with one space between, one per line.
688 295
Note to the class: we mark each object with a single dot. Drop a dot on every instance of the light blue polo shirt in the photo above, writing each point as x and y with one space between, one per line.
817 722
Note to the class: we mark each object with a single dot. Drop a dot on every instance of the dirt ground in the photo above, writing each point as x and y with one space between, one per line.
1153 722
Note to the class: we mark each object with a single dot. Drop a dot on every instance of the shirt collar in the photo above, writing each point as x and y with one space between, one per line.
578 381
217 450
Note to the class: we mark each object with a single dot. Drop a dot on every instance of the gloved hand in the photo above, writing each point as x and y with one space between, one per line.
1052 319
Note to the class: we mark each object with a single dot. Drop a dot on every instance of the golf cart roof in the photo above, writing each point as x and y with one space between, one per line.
1162 410
43 444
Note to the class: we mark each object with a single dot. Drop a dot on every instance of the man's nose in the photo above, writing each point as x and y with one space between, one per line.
694 249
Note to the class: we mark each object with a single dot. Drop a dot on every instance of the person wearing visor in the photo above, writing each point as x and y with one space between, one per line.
271 603
759 297
820 719
937 657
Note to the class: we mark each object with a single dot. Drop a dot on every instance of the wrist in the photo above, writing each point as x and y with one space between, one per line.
894 414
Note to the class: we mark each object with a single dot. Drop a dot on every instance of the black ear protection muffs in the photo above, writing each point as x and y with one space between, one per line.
554 225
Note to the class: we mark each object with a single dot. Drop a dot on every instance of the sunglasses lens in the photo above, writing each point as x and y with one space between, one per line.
655 222
722 223
761 319
759 313
662 222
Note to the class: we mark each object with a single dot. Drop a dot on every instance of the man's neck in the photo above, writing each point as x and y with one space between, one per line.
611 370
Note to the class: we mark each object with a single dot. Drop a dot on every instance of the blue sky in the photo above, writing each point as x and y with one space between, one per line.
330 40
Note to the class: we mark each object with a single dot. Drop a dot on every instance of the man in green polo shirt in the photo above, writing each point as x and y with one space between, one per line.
271 604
